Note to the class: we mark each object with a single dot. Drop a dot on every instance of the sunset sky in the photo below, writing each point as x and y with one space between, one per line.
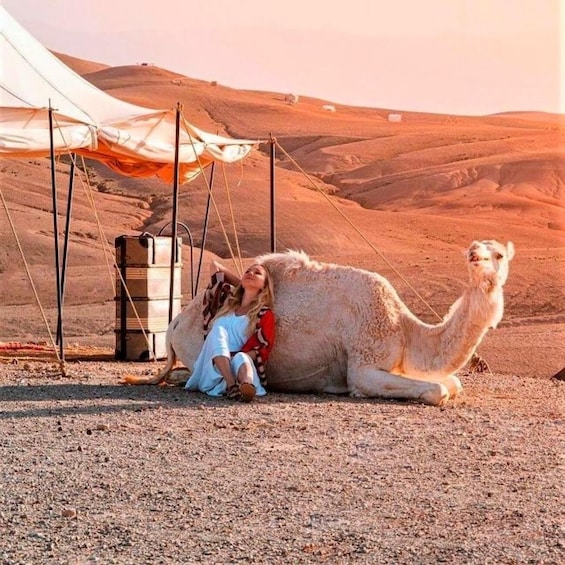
446 56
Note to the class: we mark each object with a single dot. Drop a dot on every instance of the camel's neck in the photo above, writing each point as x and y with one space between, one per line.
451 343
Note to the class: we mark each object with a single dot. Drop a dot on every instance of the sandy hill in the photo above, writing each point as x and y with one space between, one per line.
80 66
414 194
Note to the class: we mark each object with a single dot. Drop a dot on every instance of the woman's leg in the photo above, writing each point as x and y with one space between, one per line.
243 366
221 356
223 366
245 372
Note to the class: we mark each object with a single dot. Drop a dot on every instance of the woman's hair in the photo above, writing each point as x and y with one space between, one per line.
265 297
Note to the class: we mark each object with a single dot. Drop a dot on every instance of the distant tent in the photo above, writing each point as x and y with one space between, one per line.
130 139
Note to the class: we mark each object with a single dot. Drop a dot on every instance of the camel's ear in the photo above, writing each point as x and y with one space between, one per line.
510 250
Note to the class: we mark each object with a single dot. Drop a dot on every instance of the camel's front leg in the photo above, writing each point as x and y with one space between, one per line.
366 381
454 386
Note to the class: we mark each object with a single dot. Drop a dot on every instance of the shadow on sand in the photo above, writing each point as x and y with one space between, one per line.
80 398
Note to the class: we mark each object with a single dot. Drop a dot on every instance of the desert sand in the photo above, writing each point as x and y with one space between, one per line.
95 472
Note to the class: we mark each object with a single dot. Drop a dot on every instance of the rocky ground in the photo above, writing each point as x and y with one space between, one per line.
93 471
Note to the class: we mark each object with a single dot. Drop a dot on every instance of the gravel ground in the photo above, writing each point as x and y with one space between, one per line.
96 472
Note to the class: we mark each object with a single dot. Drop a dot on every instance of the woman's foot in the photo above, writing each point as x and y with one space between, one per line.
233 392
247 392
241 391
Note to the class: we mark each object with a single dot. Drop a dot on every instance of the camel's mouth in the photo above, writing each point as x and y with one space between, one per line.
476 258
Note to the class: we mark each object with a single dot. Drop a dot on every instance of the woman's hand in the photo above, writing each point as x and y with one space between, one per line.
217 267
229 277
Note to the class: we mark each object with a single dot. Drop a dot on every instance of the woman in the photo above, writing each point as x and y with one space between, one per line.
232 359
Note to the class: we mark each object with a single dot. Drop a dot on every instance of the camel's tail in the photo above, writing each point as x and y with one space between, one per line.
159 377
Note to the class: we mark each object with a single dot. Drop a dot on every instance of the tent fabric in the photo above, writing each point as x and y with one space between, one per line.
25 132
126 147
130 139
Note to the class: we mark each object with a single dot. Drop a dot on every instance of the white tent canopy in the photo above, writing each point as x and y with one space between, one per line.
130 139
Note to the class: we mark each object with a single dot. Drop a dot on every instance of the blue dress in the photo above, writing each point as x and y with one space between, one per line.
227 334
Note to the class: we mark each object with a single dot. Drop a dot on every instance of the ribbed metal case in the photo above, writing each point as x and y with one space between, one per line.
142 295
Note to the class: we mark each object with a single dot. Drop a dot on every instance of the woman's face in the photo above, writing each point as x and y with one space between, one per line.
254 278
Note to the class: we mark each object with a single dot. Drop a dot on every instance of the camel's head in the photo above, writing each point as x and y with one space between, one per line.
488 263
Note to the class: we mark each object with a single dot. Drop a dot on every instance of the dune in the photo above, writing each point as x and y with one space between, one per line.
80 66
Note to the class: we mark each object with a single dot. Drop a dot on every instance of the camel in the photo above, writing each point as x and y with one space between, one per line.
344 330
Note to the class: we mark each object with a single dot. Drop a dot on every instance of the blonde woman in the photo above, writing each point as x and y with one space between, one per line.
241 323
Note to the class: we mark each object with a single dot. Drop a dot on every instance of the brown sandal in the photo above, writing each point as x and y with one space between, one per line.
233 392
247 392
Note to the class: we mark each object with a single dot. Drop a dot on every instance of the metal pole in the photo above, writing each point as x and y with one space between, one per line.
174 250
273 203
56 230
66 243
205 227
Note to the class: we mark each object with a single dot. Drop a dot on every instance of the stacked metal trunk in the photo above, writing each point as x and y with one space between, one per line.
143 286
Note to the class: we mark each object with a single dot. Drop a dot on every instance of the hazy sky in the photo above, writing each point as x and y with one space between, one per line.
447 56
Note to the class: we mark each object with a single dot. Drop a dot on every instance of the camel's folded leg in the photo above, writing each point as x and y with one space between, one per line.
367 381
454 386
178 376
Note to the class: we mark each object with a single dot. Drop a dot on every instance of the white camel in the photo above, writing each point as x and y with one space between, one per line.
345 330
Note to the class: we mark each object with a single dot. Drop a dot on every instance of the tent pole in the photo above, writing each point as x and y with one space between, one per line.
273 210
174 250
56 230
66 243
205 227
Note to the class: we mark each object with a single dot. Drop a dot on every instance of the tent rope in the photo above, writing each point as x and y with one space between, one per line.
53 343
212 199
357 230
87 187
30 278
114 266
232 215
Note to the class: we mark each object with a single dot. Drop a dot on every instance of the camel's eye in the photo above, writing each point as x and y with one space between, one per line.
498 256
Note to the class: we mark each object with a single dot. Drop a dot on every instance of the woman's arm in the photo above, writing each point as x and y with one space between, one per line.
229 277
260 343
262 339
252 354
